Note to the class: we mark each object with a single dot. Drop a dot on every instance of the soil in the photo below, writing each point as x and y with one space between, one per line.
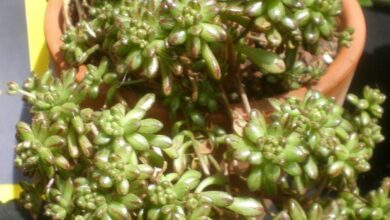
259 85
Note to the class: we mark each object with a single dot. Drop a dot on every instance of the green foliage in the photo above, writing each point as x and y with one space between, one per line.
307 142
186 198
375 205
114 162
180 44
366 3
107 151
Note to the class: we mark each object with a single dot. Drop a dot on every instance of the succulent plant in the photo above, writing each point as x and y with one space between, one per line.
81 198
188 199
48 93
105 150
140 44
113 162
61 96
291 22
179 46
306 142
195 24
347 206
40 148
375 205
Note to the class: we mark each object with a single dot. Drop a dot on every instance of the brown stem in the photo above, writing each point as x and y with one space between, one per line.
225 102
66 14
202 160
243 95
264 203
236 72
132 82
120 99
195 90
318 191
214 162
85 3
80 10
231 55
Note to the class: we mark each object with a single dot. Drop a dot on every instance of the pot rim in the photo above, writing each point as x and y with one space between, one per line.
347 58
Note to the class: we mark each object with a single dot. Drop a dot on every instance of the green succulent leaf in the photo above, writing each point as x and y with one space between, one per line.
267 61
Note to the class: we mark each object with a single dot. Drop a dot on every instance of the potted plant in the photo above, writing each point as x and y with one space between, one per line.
94 151
301 68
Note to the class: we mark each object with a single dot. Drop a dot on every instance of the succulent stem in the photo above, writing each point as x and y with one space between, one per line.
322 184
214 162
225 102
80 10
132 82
243 95
202 160
66 14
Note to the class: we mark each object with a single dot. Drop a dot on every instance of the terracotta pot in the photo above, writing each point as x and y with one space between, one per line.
335 82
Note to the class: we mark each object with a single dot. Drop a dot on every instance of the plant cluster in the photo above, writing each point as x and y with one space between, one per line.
349 205
176 46
109 164
115 162
308 142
